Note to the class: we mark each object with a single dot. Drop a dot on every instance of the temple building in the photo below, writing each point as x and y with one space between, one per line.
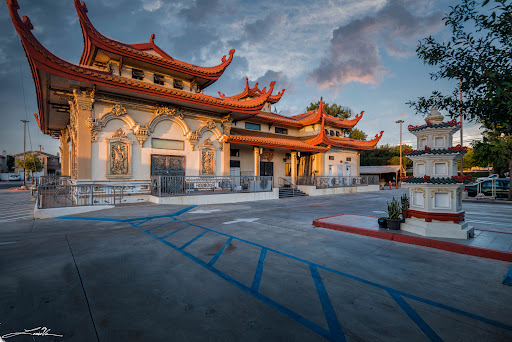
130 112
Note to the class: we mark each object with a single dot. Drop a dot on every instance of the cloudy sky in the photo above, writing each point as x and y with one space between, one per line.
356 53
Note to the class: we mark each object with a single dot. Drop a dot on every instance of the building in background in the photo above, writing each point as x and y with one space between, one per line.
50 163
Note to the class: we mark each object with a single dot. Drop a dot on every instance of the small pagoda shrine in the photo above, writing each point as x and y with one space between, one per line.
435 189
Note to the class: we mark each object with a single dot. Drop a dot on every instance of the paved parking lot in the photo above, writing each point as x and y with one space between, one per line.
251 271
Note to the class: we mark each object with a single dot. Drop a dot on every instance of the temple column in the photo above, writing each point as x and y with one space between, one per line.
319 164
294 167
64 153
226 154
358 160
83 101
256 161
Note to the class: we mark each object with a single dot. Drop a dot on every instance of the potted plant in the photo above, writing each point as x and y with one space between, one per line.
394 211
382 222
405 206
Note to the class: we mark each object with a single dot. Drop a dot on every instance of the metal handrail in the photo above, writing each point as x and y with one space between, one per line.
73 195
285 182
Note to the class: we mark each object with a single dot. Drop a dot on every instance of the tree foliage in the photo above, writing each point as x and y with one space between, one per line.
478 54
31 164
356 134
10 163
335 110
495 151
385 155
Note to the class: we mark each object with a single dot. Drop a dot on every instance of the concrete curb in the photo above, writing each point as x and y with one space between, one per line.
419 241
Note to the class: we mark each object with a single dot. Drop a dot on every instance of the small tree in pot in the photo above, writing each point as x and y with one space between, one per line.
394 211
405 206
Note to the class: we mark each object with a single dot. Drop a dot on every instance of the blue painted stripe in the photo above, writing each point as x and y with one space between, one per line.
329 312
194 239
89 218
182 211
427 330
177 230
259 270
219 253
160 225
508 277
385 288
284 310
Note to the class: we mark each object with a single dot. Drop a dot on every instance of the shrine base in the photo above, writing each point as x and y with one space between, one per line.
442 229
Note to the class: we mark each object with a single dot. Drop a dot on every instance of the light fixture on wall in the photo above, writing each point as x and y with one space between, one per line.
261 150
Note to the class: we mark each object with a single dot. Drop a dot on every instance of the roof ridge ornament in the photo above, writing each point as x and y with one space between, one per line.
152 39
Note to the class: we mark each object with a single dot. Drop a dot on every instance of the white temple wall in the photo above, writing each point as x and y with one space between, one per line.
340 162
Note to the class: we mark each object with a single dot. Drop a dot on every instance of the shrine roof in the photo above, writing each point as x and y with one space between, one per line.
309 118
241 136
43 61
322 138
93 38
451 150
431 180
453 123
253 92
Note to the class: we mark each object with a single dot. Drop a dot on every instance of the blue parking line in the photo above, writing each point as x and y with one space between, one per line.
194 239
329 312
160 225
259 271
427 330
395 294
508 277
89 218
182 211
165 236
219 253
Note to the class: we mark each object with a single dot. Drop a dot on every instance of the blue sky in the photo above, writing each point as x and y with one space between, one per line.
356 53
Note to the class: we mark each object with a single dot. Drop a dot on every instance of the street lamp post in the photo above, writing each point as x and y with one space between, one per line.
402 169
24 150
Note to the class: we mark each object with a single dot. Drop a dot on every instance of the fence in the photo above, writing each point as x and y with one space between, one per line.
201 185
53 180
338 182
56 196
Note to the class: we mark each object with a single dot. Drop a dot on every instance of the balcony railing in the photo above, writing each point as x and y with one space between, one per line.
56 196
202 185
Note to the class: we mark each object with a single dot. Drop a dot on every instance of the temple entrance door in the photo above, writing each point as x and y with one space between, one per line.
171 166
266 168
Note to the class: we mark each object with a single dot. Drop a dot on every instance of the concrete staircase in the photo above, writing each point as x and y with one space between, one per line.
290 192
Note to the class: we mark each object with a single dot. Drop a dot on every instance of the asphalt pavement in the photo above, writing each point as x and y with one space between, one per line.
245 272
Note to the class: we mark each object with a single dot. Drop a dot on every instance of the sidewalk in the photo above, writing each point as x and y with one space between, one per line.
486 243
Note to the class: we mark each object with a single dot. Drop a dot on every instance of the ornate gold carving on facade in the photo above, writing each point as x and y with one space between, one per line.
90 123
267 154
118 110
83 99
432 192
94 135
142 135
210 124
207 158
419 189
165 110
226 124
192 139
119 155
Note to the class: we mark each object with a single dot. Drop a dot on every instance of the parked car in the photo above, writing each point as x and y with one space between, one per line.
481 179
502 186
14 177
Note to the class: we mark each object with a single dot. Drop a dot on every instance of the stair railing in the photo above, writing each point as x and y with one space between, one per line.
285 182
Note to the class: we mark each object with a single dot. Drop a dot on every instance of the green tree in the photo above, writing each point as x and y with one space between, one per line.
385 155
477 57
495 151
10 163
357 134
339 112
31 164
333 110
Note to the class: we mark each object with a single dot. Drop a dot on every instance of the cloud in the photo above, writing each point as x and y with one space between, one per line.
151 5
199 11
260 29
354 51
282 81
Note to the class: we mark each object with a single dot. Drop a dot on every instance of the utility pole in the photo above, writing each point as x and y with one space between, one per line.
25 122
402 169
461 139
